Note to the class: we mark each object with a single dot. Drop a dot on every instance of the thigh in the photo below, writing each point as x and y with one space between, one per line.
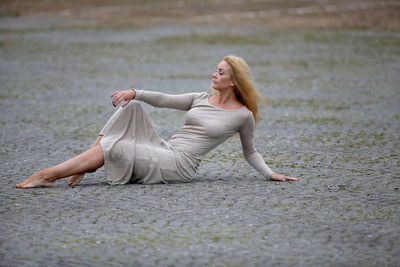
158 165
146 168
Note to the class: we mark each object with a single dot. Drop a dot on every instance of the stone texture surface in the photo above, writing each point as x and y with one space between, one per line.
332 119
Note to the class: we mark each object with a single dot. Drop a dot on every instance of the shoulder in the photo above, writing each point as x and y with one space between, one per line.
247 115
203 95
247 119
199 96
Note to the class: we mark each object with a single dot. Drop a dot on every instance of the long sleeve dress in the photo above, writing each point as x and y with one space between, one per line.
133 151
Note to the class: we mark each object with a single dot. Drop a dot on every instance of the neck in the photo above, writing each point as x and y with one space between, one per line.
226 97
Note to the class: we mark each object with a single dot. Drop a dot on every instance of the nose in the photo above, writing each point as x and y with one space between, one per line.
214 75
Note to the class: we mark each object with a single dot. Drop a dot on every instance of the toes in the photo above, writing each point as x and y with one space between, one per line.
34 182
20 185
74 180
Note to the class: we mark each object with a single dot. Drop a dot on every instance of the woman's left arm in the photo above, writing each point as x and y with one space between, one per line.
250 153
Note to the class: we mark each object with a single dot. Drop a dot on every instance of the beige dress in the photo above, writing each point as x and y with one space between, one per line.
133 152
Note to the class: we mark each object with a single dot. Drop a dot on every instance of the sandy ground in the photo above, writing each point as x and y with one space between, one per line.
332 120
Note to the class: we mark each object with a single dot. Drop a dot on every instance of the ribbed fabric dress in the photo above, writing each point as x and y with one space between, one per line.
133 151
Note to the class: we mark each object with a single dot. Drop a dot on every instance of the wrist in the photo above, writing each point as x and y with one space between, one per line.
134 93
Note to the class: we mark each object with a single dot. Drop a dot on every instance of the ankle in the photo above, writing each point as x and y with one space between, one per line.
45 175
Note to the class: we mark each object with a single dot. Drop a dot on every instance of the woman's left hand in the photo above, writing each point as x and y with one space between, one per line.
282 178
119 96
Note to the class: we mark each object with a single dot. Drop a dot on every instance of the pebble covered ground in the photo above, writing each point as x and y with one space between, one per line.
332 119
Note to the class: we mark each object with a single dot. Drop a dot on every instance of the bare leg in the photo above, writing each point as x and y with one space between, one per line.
75 179
89 160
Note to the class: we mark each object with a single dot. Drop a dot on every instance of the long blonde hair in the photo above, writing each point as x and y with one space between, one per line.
245 90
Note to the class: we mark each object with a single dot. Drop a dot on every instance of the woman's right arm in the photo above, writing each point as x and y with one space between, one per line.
156 99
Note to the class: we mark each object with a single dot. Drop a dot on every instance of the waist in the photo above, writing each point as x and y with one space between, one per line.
187 154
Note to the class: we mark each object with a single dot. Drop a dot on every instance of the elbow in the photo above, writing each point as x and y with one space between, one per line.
247 155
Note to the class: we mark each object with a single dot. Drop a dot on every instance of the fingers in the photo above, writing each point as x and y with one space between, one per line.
291 178
119 96
285 178
282 178
115 101
126 102
114 97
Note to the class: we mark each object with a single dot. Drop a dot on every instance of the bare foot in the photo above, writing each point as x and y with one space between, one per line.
75 179
35 180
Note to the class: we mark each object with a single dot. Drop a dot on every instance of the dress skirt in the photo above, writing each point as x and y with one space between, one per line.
134 153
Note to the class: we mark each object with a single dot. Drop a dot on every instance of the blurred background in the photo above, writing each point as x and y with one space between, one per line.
374 14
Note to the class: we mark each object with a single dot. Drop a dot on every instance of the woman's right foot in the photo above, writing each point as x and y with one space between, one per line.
75 179
35 180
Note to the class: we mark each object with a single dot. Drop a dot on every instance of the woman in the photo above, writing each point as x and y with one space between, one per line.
131 150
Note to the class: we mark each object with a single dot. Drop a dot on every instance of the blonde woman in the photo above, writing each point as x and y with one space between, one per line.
132 152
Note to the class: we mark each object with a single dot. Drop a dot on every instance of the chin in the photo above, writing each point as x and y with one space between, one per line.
213 87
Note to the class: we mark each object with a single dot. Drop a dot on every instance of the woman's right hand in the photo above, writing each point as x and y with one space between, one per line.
119 96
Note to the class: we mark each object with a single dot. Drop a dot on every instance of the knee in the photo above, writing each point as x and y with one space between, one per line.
133 105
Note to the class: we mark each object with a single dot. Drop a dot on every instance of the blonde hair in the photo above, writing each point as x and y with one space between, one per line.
245 90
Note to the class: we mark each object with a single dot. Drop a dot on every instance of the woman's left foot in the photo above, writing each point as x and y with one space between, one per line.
35 180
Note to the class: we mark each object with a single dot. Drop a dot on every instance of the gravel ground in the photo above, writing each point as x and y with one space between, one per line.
332 119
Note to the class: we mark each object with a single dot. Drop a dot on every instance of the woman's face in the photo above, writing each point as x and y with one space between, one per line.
222 78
